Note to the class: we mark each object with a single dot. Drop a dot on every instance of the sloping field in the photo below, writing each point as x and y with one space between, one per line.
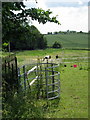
71 40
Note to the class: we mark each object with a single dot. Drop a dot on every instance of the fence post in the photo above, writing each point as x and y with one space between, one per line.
41 80
24 74
12 73
16 70
40 75
59 84
38 82
46 77
19 81
53 86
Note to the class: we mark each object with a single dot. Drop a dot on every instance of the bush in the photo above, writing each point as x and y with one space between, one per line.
57 45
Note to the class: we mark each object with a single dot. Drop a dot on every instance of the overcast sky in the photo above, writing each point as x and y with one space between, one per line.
72 14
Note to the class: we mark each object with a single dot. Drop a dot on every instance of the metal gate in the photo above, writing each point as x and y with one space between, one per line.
41 79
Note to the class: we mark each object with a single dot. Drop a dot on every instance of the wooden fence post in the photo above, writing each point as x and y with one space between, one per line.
12 71
24 77
16 71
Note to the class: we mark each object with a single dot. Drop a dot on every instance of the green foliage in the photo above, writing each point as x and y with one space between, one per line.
28 38
21 106
15 26
81 32
57 45
55 32
49 33
5 46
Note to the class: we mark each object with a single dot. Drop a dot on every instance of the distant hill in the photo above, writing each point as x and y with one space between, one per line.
69 40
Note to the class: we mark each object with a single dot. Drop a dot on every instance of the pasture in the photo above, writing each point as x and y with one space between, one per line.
73 102
69 40
25 57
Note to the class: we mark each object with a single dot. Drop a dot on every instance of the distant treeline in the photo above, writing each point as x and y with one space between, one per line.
66 32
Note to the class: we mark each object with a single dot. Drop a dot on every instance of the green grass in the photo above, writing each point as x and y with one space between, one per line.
73 102
69 40
29 57
74 93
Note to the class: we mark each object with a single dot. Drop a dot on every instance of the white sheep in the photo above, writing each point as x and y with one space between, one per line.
47 57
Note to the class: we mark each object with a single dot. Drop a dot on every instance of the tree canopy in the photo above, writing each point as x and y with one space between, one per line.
29 38
13 23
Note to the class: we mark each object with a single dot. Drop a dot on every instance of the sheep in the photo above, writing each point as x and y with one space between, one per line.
47 57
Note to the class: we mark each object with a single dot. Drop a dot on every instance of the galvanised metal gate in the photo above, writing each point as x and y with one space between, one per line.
42 79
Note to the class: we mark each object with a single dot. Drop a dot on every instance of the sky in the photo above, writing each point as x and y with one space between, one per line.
72 14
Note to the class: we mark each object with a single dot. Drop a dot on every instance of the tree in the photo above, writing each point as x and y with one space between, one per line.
68 31
57 45
49 33
29 38
56 32
81 32
12 23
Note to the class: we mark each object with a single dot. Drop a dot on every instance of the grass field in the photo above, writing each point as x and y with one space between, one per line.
25 57
73 102
74 95
71 40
